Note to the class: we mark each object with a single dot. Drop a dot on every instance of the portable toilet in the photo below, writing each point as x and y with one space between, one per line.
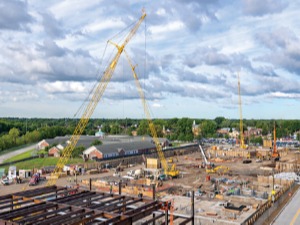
12 172
25 173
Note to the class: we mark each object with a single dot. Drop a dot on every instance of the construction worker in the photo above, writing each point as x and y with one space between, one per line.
18 180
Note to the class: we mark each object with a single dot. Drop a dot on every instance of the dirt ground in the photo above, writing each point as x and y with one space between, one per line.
190 179
64 181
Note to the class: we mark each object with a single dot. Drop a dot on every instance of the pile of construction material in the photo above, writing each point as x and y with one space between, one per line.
288 176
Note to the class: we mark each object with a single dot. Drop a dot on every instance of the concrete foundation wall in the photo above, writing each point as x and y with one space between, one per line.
263 213
266 215
287 166
229 153
268 180
242 153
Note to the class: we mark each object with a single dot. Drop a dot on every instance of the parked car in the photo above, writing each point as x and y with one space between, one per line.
6 181
35 179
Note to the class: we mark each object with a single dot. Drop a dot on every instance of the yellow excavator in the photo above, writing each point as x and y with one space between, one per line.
218 169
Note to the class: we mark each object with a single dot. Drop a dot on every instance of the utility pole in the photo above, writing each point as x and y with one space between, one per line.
193 207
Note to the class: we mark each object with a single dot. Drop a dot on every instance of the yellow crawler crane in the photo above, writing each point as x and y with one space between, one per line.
170 171
95 98
242 142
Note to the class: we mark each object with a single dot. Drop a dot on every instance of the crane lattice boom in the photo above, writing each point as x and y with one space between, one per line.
168 171
242 143
96 96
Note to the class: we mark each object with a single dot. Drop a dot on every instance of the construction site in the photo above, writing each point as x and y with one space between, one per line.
193 188
209 184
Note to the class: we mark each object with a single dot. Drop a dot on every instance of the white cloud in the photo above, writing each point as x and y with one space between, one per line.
157 105
163 29
102 25
65 9
161 12
194 48
64 86
18 94
285 95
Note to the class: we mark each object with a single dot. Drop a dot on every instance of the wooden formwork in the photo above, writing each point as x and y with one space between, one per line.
243 153
229 153
288 166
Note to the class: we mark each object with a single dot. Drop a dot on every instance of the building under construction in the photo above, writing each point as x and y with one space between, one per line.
61 205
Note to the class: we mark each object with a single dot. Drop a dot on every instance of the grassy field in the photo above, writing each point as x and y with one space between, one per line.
37 162
20 156
41 162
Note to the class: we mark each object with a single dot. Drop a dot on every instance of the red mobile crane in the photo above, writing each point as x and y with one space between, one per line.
275 153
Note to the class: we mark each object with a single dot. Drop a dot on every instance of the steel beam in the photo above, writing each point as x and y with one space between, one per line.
12 205
153 219
73 197
27 211
59 217
74 209
121 206
186 221
145 212
30 219
70 219
37 191
133 211
20 209
96 206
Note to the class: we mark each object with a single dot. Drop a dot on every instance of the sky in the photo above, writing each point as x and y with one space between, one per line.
187 54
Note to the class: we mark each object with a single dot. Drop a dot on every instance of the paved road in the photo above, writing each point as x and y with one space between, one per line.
291 213
16 152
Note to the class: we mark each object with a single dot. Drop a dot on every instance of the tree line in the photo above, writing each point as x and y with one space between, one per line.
19 131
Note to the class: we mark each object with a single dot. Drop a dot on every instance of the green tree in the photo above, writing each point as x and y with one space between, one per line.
115 129
14 134
77 152
143 128
226 123
181 137
256 140
219 121
96 142
6 142
129 130
208 128
265 129
184 129
189 137
106 128
158 129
